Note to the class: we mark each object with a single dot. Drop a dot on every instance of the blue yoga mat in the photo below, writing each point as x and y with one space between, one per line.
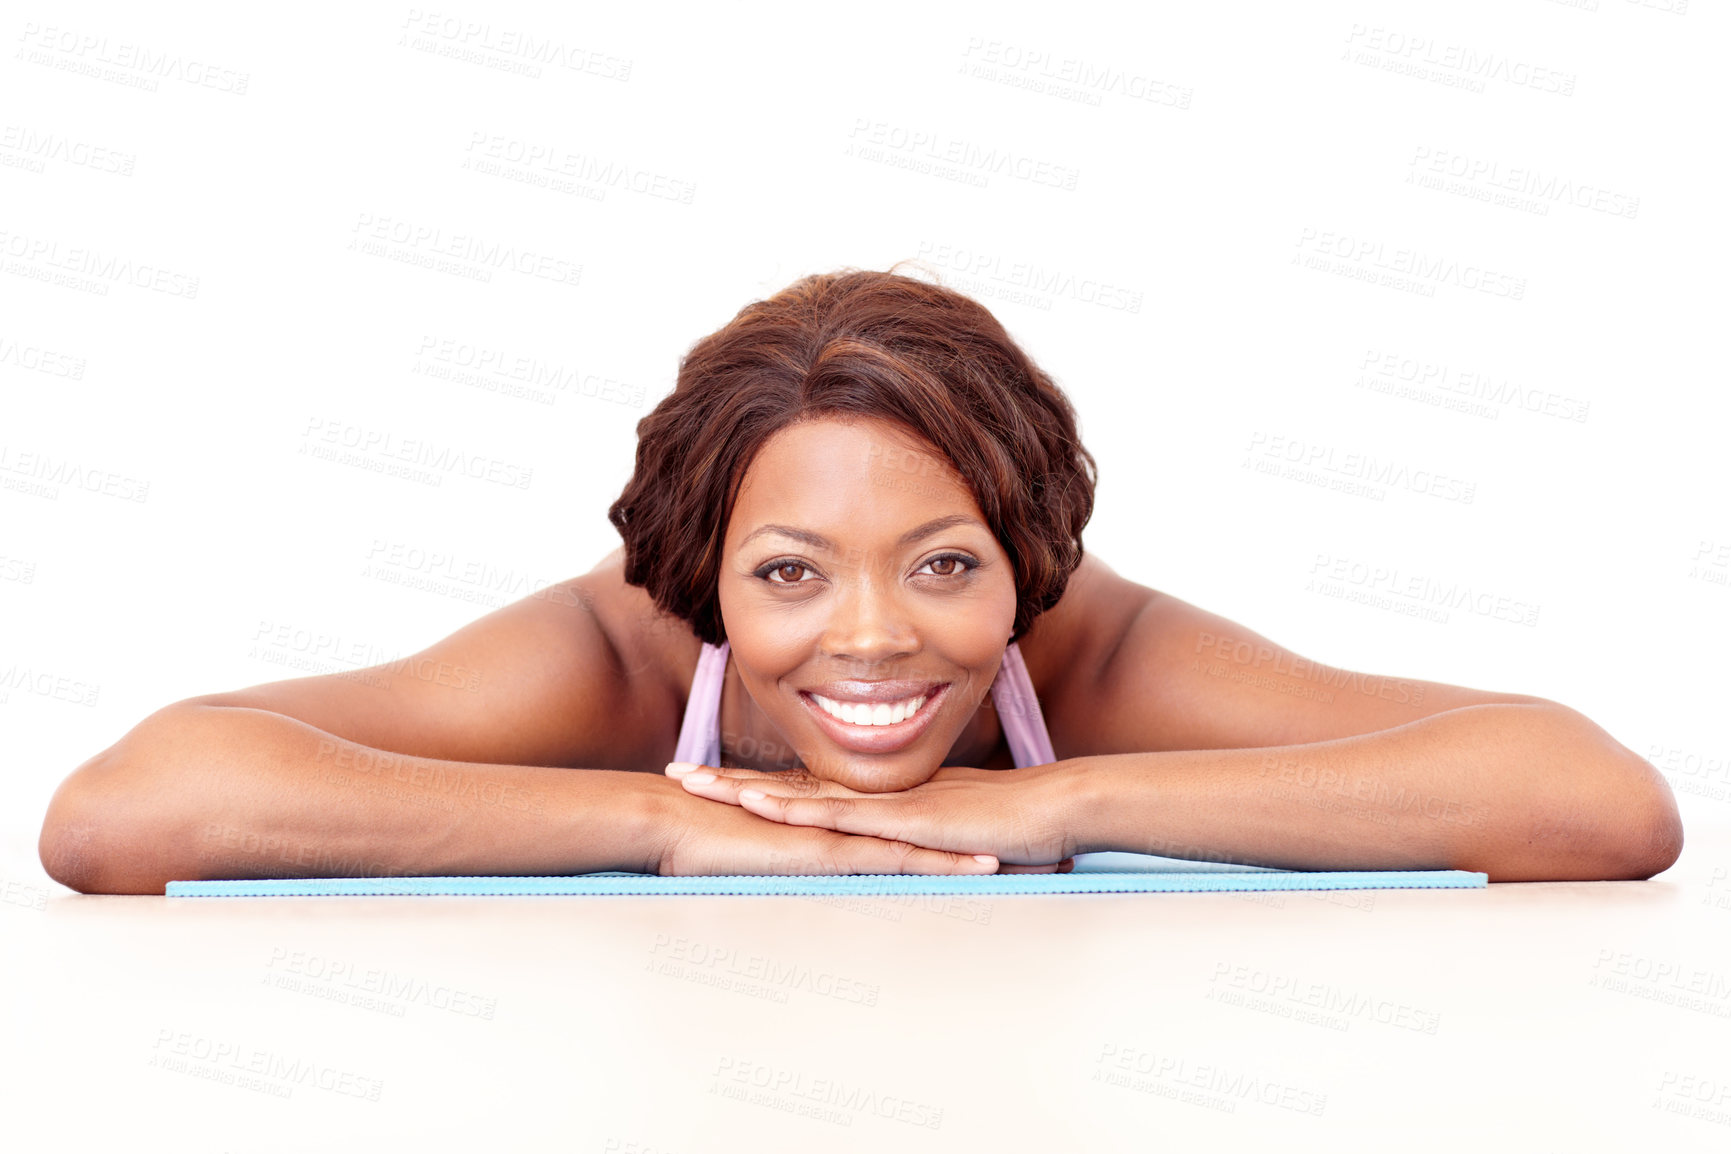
1094 873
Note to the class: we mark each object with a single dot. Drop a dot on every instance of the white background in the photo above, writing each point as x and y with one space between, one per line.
166 529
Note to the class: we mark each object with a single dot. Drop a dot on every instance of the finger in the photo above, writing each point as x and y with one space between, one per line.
873 817
705 783
721 787
866 855
824 852
679 769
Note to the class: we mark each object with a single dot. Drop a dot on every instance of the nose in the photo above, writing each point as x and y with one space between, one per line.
869 624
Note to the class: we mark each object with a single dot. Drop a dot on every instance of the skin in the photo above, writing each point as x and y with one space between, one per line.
1175 731
1135 693
800 613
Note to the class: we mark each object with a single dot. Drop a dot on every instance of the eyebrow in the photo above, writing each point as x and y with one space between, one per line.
818 541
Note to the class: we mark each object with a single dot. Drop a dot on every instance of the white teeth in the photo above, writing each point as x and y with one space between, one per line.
861 713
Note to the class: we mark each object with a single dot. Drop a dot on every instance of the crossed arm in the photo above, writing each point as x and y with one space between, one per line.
1385 774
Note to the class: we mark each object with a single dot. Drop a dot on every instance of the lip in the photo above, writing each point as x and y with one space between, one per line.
881 738
874 691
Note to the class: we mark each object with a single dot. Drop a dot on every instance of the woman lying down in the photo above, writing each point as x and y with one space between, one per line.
852 629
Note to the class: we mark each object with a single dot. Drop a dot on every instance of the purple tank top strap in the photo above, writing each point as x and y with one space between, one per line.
700 732
1019 712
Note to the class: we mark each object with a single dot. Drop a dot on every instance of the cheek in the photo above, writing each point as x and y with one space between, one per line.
992 613
767 642
773 653
975 638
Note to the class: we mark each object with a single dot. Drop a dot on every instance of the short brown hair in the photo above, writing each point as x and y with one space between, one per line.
856 344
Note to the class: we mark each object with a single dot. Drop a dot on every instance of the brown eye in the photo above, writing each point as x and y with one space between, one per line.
959 565
783 571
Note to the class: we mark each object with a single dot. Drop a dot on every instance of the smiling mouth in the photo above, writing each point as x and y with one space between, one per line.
870 727
869 716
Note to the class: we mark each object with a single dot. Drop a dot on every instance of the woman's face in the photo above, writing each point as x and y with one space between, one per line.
857 569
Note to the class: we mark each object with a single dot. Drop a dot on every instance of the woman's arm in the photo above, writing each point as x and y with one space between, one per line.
1517 792
1213 737
201 791
447 761
210 791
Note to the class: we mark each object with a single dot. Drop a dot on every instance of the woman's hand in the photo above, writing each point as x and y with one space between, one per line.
1013 814
705 838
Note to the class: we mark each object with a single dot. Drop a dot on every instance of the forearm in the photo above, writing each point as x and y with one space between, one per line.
1518 792
218 792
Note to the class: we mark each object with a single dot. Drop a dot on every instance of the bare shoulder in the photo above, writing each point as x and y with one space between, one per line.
1070 647
1125 668
1071 641
557 678
657 651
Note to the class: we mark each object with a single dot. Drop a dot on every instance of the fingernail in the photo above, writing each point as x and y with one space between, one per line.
679 768
987 858
751 794
698 778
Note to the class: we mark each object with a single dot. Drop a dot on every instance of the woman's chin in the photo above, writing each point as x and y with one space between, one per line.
870 775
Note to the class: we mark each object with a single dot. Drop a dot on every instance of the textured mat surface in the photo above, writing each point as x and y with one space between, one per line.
1082 881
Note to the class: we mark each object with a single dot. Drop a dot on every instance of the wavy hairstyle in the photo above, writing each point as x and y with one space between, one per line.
854 344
